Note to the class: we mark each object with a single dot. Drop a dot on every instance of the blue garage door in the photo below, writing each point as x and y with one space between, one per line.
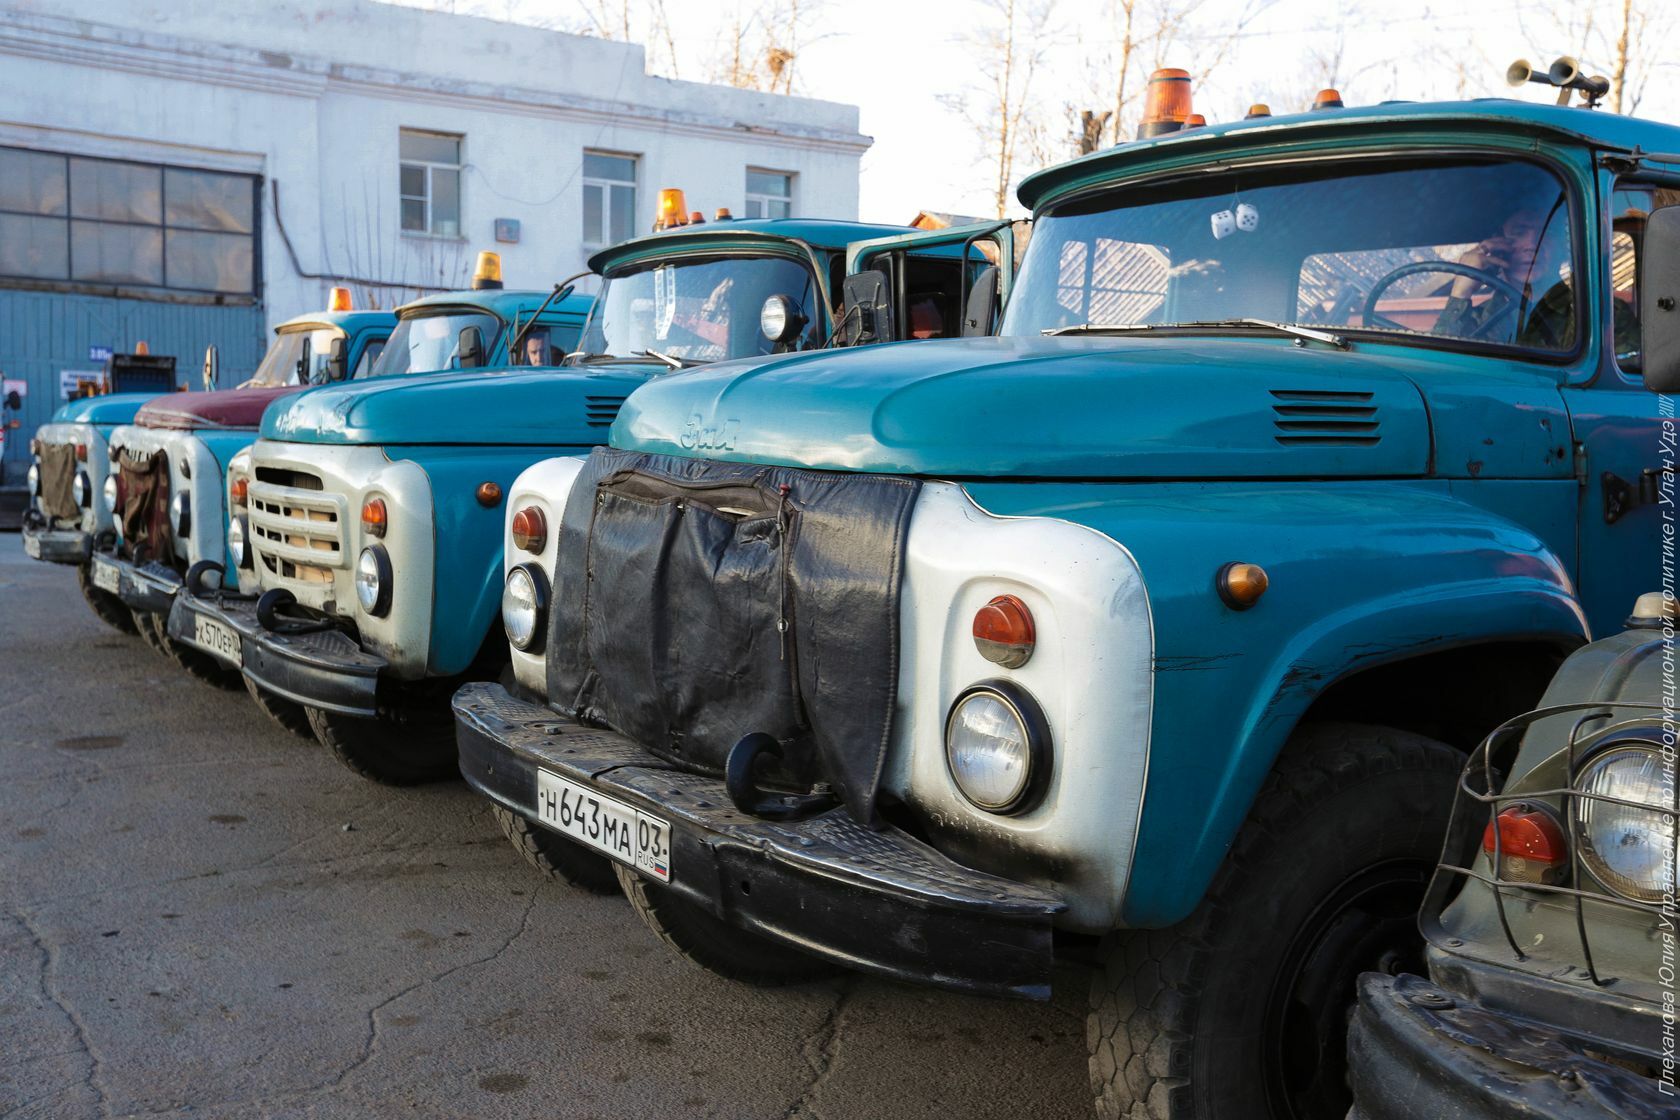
43 334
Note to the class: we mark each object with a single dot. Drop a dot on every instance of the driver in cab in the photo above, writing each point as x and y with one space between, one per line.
1527 266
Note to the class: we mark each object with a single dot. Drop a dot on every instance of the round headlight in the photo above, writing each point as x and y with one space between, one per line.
1628 849
34 480
180 513
110 492
373 580
236 543
997 745
525 606
779 319
81 489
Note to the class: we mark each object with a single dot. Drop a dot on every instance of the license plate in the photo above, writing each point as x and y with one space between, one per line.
106 577
212 637
607 825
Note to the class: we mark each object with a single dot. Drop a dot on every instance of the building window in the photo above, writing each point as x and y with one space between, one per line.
106 221
431 182
609 198
769 194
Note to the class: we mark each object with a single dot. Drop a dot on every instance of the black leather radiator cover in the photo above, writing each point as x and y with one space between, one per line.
696 602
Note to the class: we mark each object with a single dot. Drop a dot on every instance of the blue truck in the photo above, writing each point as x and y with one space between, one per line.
1308 448
165 490
373 513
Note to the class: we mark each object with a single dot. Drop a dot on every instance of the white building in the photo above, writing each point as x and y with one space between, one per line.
195 171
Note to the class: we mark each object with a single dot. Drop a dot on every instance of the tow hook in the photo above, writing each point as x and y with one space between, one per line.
744 791
196 573
275 600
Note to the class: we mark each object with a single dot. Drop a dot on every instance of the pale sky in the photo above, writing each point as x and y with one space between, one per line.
901 62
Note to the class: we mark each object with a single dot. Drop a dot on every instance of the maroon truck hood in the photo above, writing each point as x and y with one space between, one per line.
223 408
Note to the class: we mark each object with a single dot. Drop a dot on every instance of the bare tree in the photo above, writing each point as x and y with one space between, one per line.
1626 48
1009 47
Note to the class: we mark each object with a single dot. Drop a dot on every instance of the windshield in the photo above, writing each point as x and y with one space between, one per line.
280 365
703 310
428 343
1462 251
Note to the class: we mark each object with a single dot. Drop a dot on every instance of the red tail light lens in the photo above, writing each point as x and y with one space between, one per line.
529 529
373 517
1528 845
1003 632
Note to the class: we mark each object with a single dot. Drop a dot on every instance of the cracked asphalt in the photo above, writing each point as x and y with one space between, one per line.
203 916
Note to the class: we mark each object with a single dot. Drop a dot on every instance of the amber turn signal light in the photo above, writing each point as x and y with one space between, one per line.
1527 844
81 452
489 495
1004 633
242 487
373 517
1241 585
529 529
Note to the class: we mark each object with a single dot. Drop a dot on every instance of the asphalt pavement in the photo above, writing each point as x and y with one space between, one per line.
204 916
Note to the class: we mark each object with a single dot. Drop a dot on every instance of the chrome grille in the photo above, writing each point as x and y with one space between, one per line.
1324 417
297 532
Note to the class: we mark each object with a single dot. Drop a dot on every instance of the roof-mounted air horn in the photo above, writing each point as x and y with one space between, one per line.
1564 75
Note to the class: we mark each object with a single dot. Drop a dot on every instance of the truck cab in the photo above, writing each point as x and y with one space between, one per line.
165 488
1167 616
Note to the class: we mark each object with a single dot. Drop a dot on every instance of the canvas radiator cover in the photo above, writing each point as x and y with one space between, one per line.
696 602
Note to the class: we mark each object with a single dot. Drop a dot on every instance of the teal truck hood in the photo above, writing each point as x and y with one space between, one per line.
1050 407
110 409
545 407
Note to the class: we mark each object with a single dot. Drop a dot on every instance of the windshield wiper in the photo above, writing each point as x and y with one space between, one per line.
670 359
1293 329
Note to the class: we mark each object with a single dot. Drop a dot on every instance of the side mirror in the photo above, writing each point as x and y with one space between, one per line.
980 309
338 359
469 348
13 401
1659 301
212 368
869 309
779 320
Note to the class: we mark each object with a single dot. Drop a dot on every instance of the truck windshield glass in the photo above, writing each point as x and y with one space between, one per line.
428 343
701 310
1469 251
280 365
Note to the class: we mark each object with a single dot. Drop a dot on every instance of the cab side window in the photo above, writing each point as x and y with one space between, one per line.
1630 207
370 354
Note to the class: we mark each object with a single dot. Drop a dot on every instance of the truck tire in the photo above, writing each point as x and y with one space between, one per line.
156 640
714 944
397 748
287 713
554 855
107 606
1240 1011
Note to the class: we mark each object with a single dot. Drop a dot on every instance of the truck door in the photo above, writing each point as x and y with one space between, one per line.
932 274
1617 429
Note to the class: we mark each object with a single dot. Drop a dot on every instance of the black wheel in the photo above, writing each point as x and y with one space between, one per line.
402 747
156 640
107 606
1240 1012
287 713
714 944
555 856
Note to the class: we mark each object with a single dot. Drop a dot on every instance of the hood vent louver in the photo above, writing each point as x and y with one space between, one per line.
1325 418
601 411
